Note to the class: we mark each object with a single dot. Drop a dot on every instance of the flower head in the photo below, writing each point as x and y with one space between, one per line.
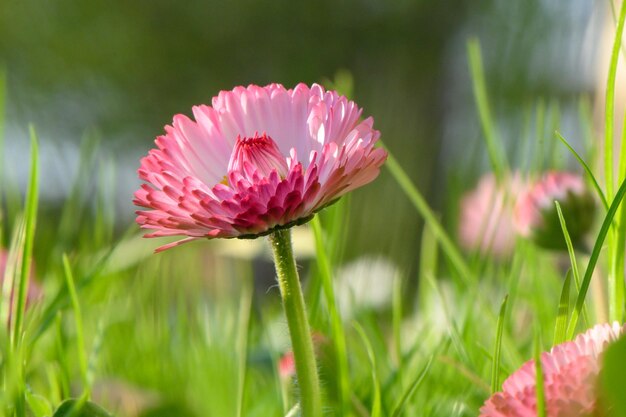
258 159
536 216
486 218
570 373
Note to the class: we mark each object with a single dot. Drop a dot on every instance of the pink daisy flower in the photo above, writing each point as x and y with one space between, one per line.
570 372
257 160
536 217
486 217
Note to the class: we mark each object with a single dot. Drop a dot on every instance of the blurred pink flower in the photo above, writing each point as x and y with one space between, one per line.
570 372
259 159
287 365
486 218
536 217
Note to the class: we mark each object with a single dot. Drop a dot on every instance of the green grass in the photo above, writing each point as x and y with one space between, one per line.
197 331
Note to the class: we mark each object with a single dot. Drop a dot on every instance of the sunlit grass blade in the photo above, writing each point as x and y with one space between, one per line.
497 156
560 328
435 226
495 368
555 122
572 257
609 107
78 321
245 308
412 388
396 321
30 210
338 335
455 336
540 152
539 385
376 400
582 162
593 259
294 412
12 265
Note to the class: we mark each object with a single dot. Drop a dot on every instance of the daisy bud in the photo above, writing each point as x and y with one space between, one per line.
536 216
486 217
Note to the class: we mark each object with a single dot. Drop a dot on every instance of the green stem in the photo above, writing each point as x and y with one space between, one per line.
293 303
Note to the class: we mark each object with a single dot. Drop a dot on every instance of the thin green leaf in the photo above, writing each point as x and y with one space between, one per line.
412 388
540 153
560 328
396 320
339 337
78 320
582 162
376 401
497 349
437 229
610 103
32 199
294 412
572 256
12 264
38 405
245 308
455 336
496 155
593 259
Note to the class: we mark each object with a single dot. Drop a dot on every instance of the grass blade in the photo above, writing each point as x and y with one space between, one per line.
339 338
560 328
495 368
436 228
593 259
30 219
609 107
245 309
582 162
376 401
496 155
396 322
572 257
294 412
412 388
453 331
78 319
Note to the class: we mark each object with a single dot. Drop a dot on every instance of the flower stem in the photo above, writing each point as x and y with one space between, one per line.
293 303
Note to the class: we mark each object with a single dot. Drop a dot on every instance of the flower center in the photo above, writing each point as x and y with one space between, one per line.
257 155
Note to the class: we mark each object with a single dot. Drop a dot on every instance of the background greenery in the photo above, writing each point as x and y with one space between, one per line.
198 330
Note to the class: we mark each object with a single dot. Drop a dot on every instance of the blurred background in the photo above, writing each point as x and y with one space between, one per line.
120 70
99 80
